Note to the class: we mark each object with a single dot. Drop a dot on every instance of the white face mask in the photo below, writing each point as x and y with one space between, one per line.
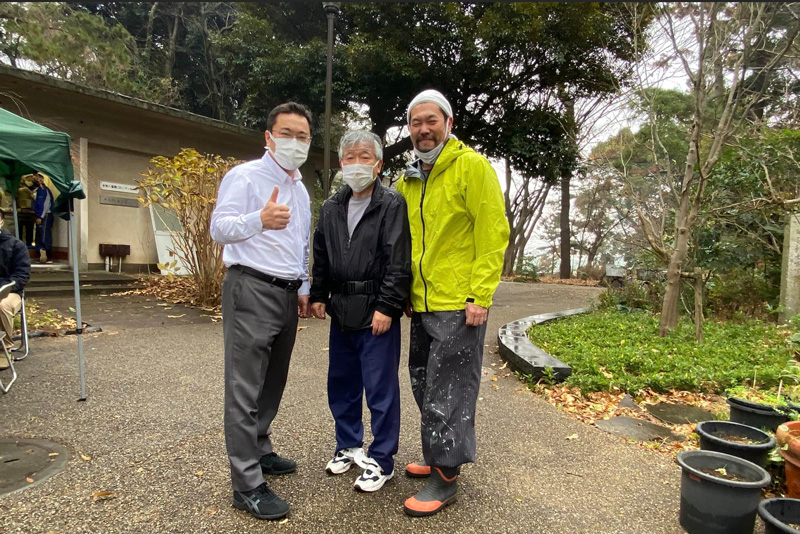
432 155
289 153
358 176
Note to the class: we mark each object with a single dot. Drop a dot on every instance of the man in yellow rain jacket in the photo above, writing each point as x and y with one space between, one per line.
459 233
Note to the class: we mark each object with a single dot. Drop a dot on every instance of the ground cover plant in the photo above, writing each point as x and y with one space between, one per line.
613 351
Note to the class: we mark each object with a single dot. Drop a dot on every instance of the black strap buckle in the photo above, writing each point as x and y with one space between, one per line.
359 288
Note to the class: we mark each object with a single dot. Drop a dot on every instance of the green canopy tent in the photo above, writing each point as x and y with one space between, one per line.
25 148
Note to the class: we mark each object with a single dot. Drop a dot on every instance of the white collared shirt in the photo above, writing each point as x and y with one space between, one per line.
236 221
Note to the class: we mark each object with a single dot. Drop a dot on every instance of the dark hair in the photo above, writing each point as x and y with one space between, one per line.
289 107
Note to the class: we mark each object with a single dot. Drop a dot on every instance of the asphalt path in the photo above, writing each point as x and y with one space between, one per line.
151 433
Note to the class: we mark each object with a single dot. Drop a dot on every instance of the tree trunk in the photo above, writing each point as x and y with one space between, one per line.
173 44
565 269
683 223
508 256
148 42
211 70
698 304
570 131
520 254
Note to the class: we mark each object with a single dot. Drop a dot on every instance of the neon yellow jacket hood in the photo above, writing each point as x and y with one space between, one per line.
459 230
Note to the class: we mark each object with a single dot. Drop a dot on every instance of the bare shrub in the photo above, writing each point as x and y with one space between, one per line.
186 186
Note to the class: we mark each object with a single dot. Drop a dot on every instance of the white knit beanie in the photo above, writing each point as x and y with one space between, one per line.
433 96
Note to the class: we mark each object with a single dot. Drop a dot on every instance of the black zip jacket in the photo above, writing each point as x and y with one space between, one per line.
380 250
15 264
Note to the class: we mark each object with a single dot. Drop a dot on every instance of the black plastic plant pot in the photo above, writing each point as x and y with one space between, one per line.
757 415
721 436
712 504
778 514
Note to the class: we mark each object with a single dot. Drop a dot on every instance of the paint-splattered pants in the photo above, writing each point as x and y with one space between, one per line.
444 362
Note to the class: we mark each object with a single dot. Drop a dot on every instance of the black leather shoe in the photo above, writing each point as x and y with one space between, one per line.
261 503
272 464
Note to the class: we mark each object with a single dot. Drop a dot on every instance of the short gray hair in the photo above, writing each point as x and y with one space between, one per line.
357 137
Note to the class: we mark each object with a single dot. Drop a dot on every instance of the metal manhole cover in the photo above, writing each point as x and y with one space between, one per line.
27 462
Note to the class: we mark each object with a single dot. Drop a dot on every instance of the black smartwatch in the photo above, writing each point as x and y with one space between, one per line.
470 300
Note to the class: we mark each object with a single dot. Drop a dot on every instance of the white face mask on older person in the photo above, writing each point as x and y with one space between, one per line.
358 176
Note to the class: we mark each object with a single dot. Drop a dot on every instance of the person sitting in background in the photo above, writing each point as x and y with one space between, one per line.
15 271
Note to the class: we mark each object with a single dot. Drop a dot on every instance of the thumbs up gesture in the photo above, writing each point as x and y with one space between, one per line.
274 216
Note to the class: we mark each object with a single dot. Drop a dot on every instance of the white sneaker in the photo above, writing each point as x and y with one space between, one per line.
342 461
372 479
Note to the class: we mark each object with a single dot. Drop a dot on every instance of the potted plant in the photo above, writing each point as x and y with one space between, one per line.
788 438
736 439
780 515
719 492
758 408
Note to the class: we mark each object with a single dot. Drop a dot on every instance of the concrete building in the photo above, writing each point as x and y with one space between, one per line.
114 137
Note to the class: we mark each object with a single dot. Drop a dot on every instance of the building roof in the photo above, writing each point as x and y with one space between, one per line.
111 96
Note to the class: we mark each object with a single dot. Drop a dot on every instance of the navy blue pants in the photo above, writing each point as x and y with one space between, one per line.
44 236
361 362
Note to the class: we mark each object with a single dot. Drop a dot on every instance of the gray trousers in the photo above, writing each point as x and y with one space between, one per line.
444 362
259 325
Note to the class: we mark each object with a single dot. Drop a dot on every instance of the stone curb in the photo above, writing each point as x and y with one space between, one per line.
525 357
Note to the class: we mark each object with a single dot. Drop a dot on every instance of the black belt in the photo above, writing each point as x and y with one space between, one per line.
367 287
291 285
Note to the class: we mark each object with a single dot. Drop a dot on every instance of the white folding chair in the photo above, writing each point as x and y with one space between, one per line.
5 387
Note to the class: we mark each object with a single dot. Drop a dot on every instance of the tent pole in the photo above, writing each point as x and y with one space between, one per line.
16 219
76 281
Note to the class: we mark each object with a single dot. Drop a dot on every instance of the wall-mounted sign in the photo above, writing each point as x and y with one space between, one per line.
119 201
119 188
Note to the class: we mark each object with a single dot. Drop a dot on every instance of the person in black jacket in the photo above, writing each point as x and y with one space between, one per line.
15 271
361 278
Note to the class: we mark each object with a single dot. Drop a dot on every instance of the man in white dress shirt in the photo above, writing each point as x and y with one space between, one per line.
263 218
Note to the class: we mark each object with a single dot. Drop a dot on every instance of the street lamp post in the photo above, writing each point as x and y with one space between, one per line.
332 11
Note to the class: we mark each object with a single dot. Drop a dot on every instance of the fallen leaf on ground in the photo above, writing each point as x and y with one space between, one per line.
53 454
495 387
326 348
176 316
29 480
85 458
504 365
494 379
163 304
299 328
283 521
518 499
212 511
103 495
721 471
198 474
572 436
